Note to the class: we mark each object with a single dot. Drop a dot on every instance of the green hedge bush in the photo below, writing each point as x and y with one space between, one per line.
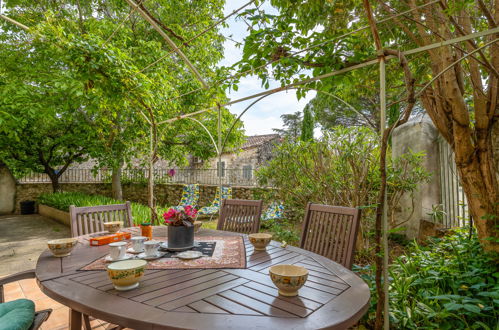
448 284
63 200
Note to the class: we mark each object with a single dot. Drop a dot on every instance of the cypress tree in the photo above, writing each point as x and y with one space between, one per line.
307 128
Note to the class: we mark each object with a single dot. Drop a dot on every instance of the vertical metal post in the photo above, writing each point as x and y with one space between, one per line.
150 188
382 97
220 170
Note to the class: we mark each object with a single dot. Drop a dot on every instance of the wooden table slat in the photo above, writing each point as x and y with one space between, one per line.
273 300
272 291
291 261
230 306
325 288
202 306
160 282
265 257
274 261
185 309
261 307
314 268
193 282
334 284
192 297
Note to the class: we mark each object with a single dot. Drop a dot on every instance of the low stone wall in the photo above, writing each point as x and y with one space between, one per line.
166 194
58 215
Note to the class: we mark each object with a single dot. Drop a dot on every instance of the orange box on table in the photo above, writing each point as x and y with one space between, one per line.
103 240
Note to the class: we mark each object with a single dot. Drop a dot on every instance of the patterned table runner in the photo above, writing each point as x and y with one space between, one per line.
229 252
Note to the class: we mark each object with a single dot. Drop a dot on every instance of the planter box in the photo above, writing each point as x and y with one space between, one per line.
57 215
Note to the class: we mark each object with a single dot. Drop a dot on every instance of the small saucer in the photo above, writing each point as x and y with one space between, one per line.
132 251
126 257
187 255
157 256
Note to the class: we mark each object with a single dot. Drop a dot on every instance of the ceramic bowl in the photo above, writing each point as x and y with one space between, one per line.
288 278
113 226
260 240
197 225
62 247
126 274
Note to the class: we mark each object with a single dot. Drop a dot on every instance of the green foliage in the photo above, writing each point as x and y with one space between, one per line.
449 284
307 128
63 200
340 169
292 126
282 230
67 69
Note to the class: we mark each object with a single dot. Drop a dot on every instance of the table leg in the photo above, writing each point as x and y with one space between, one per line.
74 320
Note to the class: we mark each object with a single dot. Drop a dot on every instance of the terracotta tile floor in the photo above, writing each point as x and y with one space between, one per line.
59 318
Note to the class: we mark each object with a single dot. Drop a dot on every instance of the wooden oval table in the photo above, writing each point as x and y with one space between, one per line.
333 297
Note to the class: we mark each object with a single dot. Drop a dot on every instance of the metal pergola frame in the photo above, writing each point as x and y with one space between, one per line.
378 58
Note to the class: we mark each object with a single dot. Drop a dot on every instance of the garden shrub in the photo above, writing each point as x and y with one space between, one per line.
448 284
63 200
282 230
340 169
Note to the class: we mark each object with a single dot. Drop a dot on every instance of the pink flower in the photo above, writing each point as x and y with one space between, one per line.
170 214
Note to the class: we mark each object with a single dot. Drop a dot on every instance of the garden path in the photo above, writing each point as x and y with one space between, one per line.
23 238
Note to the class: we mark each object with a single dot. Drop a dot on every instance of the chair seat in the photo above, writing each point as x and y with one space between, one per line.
209 210
17 314
274 212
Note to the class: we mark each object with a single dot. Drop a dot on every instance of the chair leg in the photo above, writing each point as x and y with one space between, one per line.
86 322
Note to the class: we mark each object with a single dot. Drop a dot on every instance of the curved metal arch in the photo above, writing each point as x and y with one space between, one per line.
238 119
264 96
207 131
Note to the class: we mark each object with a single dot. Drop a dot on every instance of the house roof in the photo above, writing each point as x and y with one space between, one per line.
258 140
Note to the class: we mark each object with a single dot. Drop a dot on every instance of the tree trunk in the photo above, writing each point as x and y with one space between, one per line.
116 183
483 202
54 178
150 192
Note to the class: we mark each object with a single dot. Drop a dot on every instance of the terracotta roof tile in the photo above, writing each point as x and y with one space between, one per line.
257 140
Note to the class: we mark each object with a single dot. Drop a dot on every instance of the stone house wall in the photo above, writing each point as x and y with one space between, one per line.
166 194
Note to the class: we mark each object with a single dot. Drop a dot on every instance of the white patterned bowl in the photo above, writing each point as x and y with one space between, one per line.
126 274
62 247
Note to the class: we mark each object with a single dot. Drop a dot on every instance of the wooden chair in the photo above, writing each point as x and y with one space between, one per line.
89 219
240 215
331 231
40 316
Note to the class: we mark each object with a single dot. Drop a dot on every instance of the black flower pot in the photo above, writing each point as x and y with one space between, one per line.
180 238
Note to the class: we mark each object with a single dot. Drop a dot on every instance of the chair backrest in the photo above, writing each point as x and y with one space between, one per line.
331 231
89 219
240 215
226 194
190 195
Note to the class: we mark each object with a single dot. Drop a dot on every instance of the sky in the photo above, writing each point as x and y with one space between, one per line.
264 115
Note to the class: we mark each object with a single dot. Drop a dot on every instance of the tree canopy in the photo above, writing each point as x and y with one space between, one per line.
92 58
309 38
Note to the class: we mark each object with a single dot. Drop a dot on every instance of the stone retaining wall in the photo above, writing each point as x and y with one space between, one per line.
166 194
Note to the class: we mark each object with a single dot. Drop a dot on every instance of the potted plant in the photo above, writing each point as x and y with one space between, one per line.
180 227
